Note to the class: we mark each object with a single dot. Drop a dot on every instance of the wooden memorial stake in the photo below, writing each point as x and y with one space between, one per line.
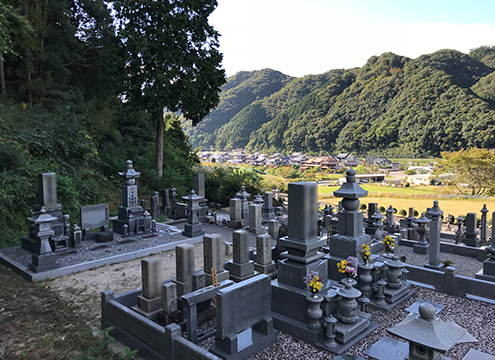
214 280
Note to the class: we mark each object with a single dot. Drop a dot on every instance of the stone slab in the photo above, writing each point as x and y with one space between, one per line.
66 270
94 216
149 305
414 308
340 348
388 349
478 355
259 342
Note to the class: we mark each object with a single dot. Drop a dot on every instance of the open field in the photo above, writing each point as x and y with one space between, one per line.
454 207
412 190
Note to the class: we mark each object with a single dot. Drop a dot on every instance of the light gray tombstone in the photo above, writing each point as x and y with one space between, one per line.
264 263
214 258
48 191
94 216
255 219
471 234
244 195
268 209
245 325
184 267
435 229
240 267
273 227
150 303
236 221
169 297
199 188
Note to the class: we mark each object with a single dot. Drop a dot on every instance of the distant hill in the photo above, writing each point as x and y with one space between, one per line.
393 105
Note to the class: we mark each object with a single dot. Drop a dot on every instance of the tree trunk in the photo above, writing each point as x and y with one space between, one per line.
2 76
159 145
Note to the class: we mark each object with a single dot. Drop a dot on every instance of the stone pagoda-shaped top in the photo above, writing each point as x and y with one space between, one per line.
428 332
350 189
130 175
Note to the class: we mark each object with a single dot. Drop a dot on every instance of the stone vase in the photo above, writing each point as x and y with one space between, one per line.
394 274
365 279
348 306
314 311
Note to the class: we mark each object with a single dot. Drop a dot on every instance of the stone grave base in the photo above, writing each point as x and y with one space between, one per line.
346 332
240 272
421 249
151 315
393 298
480 275
340 348
257 230
270 269
166 319
250 345
235 224
221 276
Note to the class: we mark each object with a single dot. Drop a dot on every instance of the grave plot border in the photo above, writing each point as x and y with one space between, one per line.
153 342
449 283
32 276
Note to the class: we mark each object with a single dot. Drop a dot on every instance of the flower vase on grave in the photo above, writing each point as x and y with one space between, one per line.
365 279
314 311
348 305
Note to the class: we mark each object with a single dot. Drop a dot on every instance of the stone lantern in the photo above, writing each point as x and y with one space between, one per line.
43 258
421 247
193 228
377 223
428 336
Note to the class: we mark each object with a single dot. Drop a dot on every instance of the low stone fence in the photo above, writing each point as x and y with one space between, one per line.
150 339
449 283
457 249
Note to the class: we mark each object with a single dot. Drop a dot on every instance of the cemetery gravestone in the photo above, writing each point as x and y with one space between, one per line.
94 216
255 219
236 221
150 303
214 258
199 188
244 324
471 234
184 267
264 263
240 267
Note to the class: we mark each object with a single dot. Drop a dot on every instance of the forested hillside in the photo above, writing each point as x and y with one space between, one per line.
65 106
392 105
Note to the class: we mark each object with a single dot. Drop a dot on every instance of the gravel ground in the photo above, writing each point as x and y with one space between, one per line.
475 316
91 250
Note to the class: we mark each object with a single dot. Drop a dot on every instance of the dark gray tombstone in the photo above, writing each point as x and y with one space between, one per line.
471 234
193 228
435 229
488 272
268 209
155 205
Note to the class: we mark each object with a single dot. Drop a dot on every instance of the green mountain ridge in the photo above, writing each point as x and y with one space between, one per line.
393 105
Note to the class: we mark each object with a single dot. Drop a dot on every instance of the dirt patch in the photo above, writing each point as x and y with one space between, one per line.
120 278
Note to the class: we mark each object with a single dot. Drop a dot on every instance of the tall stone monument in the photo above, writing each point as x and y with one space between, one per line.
130 213
47 208
488 272
244 195
350 225
199 188
289 301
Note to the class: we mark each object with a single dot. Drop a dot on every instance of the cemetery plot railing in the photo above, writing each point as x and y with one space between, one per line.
449 283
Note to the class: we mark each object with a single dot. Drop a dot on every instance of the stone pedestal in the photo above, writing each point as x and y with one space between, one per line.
236 221
240 267
268 209
471 234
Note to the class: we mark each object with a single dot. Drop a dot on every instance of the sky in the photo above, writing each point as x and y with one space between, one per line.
300 37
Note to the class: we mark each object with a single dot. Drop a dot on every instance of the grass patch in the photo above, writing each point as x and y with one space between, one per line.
375 189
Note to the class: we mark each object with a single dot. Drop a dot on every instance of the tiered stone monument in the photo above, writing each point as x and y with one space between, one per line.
193 228
199 188
255 218
214 258
47 222
130 213
289 301
150 302
350 229
155 205
422 246
240 267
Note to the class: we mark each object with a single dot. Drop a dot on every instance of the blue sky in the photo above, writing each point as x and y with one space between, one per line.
299 37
